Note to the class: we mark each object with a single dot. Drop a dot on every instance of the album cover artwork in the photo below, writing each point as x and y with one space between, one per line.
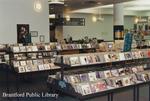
46 61
92 76
28 68
35 62
47 47
83 60
90 60
34 48
16 63
29 62
102 85
140 68
46 66
128 56
74 61
94 87
107 57
128 70
134 69
121 71
34 68
58 47
115 57
23 63
101 73
118 83
133 79
40 61
107 74
41 67
16 49
74 79
22 49
126 81
86 89
84 77
121 56
29 48
21 69
96 58
115 73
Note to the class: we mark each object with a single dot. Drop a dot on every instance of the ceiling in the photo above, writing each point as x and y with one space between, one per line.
70 5
134 6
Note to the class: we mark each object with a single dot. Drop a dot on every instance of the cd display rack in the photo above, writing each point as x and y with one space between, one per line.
85 76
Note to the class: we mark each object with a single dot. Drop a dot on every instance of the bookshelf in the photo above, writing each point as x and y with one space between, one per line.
83 78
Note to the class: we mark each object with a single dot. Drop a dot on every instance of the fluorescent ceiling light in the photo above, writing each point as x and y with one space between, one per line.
106 6
142 8
56 1
52 16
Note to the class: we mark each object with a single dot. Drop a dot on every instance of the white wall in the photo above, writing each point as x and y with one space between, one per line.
100 30
13 12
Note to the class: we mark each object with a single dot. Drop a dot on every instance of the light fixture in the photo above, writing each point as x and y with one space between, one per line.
38 6
136 20
52 16
98 17
56 2
67 18
94 18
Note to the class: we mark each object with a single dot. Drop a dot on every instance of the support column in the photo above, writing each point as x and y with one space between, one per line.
118 21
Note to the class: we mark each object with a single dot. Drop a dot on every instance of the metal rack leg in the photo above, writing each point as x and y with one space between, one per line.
110 97
137 93
149 90
134 93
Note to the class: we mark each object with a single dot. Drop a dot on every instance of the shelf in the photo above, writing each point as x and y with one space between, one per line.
33 51
71 92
